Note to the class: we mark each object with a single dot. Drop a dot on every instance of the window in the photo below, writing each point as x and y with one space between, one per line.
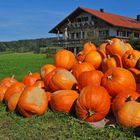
78 35
136 35
103 33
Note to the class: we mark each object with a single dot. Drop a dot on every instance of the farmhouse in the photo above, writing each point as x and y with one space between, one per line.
86 24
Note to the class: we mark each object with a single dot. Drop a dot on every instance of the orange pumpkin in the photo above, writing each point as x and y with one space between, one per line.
130 58
89 46
136 74
116 46
117 79
63 101
128 46
95 58
93 104
102 47
90 78
65 59
13 94
61 80
31 78
46 69
111 61
122 98
79 68
2 92
129 114
33 101
8 81
80 56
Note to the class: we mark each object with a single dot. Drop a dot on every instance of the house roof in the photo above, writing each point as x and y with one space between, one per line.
113 19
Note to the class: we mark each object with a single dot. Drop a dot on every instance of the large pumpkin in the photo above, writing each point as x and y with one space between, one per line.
79 68
129 114
90 78
65 59
111 61
46 69
13 94
117 79
130 58
93 103
62 79
63 101
122 98
31 78
33 101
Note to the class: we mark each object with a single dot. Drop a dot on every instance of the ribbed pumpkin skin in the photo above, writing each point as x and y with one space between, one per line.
2 92
63 101
93 103
129 114
13 94
8 81
46 69
79 68
95 58
90 78
89 46
33 101
31 78
122 98
118 79
62 80
130 58
64 59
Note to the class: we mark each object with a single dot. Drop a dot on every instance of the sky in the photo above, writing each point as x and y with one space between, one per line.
31 19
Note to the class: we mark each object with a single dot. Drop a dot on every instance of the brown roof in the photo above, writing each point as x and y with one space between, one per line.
113 19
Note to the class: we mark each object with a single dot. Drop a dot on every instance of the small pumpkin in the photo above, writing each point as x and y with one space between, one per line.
33 101
62 80
46 69
130 58
90 78
79 68
117 79
93 103
31 78
65 59
63 101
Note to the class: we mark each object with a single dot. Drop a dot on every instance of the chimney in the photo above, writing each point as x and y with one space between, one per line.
138 18
101 10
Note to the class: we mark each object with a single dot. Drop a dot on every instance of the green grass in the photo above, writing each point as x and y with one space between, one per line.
58 126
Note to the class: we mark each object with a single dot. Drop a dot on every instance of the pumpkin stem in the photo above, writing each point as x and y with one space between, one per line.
109 41
13 76
90 113
108 56
109 77
128 99
30 73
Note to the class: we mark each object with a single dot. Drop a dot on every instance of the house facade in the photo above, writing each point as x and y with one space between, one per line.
86 24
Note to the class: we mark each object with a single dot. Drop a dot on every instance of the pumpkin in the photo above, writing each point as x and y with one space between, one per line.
31 78
122 98
116 46
65 59
61 80
129 114
136 74
93 103
128 46
89 46
81 56
46 69
95 58
111 61
130 58
8 81
90 78
117 79
13 94
102 47
63 101
2 92
33 101
79 68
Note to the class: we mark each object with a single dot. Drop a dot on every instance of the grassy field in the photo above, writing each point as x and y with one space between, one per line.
55 126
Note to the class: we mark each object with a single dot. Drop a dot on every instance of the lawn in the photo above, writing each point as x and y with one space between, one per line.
59 126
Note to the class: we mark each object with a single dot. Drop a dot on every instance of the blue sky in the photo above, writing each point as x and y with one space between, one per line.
29 19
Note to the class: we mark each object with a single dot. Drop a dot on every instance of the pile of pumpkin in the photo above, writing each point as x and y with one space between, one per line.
90 84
